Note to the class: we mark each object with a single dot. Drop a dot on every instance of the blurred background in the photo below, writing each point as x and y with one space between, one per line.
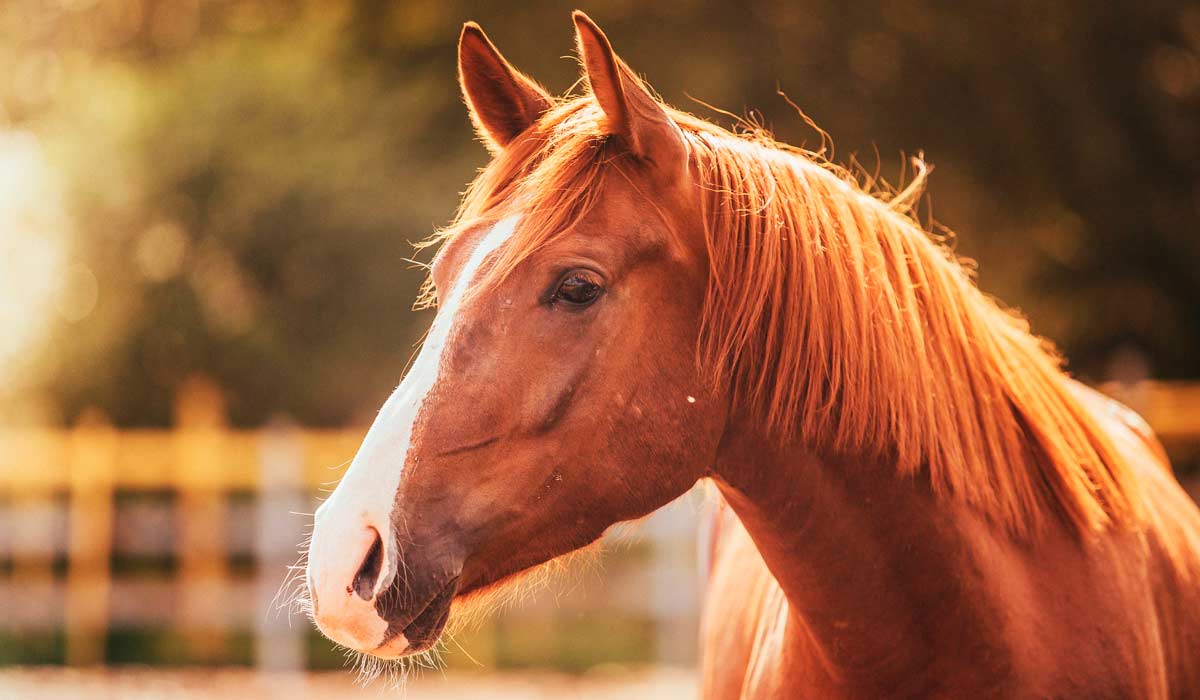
206 210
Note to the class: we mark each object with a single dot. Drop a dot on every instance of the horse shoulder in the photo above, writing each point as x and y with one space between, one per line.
751 644
743 605
1171 534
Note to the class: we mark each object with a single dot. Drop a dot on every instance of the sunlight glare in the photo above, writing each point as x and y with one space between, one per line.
33 233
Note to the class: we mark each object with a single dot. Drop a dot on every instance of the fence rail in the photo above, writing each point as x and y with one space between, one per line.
201 461
51 460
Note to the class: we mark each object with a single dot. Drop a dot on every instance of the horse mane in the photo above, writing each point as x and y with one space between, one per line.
839 322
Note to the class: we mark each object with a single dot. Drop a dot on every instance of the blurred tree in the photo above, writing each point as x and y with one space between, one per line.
243 176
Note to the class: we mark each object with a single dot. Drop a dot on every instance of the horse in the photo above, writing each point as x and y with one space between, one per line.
916 498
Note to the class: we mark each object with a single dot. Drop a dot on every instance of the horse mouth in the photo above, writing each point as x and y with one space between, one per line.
423 630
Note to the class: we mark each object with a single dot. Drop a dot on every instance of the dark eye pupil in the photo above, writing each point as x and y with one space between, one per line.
577 289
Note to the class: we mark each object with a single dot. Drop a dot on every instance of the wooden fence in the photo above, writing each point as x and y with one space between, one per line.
201 461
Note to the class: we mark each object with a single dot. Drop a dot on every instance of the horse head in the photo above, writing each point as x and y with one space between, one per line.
557 391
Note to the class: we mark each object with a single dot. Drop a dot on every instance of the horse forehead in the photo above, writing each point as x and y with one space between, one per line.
452 257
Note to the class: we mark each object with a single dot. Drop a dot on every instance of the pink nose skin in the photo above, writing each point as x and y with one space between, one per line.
343 573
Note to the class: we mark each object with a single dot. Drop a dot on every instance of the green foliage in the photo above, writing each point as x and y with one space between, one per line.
244 178
164 646
40 647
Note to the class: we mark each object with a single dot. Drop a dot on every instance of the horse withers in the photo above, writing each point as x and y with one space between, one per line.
919 501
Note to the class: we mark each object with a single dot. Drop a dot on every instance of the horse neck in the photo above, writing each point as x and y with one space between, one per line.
869 561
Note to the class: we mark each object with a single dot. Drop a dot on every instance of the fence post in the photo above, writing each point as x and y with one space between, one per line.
280 643
31 537
93 445
203 571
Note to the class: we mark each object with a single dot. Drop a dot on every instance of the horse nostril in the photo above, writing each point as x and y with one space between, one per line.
368 572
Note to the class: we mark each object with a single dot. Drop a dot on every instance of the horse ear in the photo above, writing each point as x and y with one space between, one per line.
503 102
633 113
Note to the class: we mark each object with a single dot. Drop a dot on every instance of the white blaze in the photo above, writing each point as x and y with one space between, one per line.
365 496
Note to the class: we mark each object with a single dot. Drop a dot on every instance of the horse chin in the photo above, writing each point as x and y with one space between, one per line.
418 637
395 648
439 617
423 631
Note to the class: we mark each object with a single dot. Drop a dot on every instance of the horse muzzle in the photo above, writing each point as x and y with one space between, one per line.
359 599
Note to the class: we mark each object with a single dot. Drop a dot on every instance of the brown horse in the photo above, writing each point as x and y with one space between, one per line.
921 503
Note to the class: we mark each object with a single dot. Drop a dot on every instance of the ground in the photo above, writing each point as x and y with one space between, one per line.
229 684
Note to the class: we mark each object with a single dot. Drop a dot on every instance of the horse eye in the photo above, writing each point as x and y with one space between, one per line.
578 288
